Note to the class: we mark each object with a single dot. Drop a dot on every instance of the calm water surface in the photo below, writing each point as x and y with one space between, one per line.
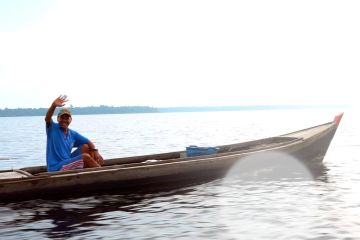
324 205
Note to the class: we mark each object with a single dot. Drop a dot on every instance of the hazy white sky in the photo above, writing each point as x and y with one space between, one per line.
179 53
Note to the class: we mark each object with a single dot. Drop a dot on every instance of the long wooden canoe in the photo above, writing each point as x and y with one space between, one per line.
164 170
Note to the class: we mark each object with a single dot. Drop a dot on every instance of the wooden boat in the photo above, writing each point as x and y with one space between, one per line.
163 170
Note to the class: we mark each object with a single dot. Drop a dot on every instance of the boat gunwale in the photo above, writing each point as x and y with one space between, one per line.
171 160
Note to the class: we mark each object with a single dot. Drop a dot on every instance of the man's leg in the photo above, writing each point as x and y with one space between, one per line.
89 157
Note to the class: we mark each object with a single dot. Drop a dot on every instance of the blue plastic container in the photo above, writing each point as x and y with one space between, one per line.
193 151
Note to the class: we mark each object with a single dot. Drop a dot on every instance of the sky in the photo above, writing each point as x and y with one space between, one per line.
179 53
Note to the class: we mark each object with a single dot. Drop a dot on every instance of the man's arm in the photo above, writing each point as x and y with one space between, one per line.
58 102
94 153
91 146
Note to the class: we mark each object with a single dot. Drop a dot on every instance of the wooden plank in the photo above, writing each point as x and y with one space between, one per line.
12 175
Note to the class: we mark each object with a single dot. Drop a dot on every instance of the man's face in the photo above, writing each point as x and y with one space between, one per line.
64 121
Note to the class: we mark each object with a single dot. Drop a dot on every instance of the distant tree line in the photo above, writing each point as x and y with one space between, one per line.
18 112
145 109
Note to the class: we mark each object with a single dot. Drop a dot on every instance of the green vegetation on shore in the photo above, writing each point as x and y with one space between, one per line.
18 112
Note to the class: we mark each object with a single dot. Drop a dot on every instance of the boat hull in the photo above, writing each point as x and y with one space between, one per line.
170 170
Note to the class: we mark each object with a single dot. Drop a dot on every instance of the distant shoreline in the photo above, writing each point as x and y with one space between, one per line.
22 112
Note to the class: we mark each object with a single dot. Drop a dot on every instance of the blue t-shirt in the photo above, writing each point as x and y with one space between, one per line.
59 145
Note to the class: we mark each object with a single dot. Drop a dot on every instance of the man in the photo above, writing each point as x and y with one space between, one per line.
61 140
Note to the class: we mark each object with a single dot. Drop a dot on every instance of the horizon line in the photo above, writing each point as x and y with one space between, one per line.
193 106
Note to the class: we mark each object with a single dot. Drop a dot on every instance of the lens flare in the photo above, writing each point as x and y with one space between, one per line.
270 166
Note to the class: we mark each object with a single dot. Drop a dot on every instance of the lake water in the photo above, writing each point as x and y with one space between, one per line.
324 207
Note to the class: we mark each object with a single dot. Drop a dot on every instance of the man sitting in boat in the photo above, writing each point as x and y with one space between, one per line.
61 140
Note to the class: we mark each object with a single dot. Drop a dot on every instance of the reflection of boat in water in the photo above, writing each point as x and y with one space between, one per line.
78 217
164 170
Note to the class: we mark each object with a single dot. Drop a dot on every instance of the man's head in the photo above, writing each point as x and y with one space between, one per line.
64 118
